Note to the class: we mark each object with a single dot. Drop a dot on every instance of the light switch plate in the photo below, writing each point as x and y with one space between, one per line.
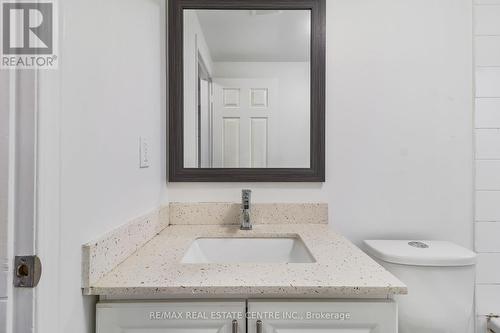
144 152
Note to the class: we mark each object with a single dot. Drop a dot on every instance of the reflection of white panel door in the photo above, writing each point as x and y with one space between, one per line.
243 112
324 316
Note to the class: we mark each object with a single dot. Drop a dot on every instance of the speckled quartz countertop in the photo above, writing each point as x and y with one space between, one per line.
155 270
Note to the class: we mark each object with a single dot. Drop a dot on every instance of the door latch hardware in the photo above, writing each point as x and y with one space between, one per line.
27 271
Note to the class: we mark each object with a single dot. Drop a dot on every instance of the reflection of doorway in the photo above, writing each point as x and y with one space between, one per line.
204 118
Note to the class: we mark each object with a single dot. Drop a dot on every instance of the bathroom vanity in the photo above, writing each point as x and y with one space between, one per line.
246 104
252 316
202 273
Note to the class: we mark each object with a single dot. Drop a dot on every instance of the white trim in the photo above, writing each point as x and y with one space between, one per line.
24 187
10 195
7 195
48 201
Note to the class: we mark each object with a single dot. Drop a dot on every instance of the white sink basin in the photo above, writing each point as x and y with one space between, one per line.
247 250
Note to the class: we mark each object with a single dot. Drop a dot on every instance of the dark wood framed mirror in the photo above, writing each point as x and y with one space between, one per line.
246 90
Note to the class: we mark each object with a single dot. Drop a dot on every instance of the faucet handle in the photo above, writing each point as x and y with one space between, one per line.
246 194
245 198
246 224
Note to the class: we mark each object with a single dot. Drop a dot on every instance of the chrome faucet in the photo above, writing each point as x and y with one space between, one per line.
246 223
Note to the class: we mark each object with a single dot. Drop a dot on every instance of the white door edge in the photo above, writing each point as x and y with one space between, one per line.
34 200
22 183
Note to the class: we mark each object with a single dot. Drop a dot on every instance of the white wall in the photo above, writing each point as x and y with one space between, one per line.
487 123
290 127
399 124
112 88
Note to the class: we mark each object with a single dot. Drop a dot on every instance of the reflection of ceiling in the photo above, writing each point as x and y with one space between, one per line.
244 35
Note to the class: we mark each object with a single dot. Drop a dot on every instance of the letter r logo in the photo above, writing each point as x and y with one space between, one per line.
27 28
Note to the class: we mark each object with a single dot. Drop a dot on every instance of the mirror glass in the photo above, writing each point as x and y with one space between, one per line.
247 88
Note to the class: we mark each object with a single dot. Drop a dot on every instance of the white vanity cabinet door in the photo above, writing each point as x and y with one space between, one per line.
170 317
341 316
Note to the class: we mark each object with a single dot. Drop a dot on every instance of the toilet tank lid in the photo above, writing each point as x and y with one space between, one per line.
420 252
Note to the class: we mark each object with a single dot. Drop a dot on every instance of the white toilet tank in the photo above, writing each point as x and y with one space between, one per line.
440 278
